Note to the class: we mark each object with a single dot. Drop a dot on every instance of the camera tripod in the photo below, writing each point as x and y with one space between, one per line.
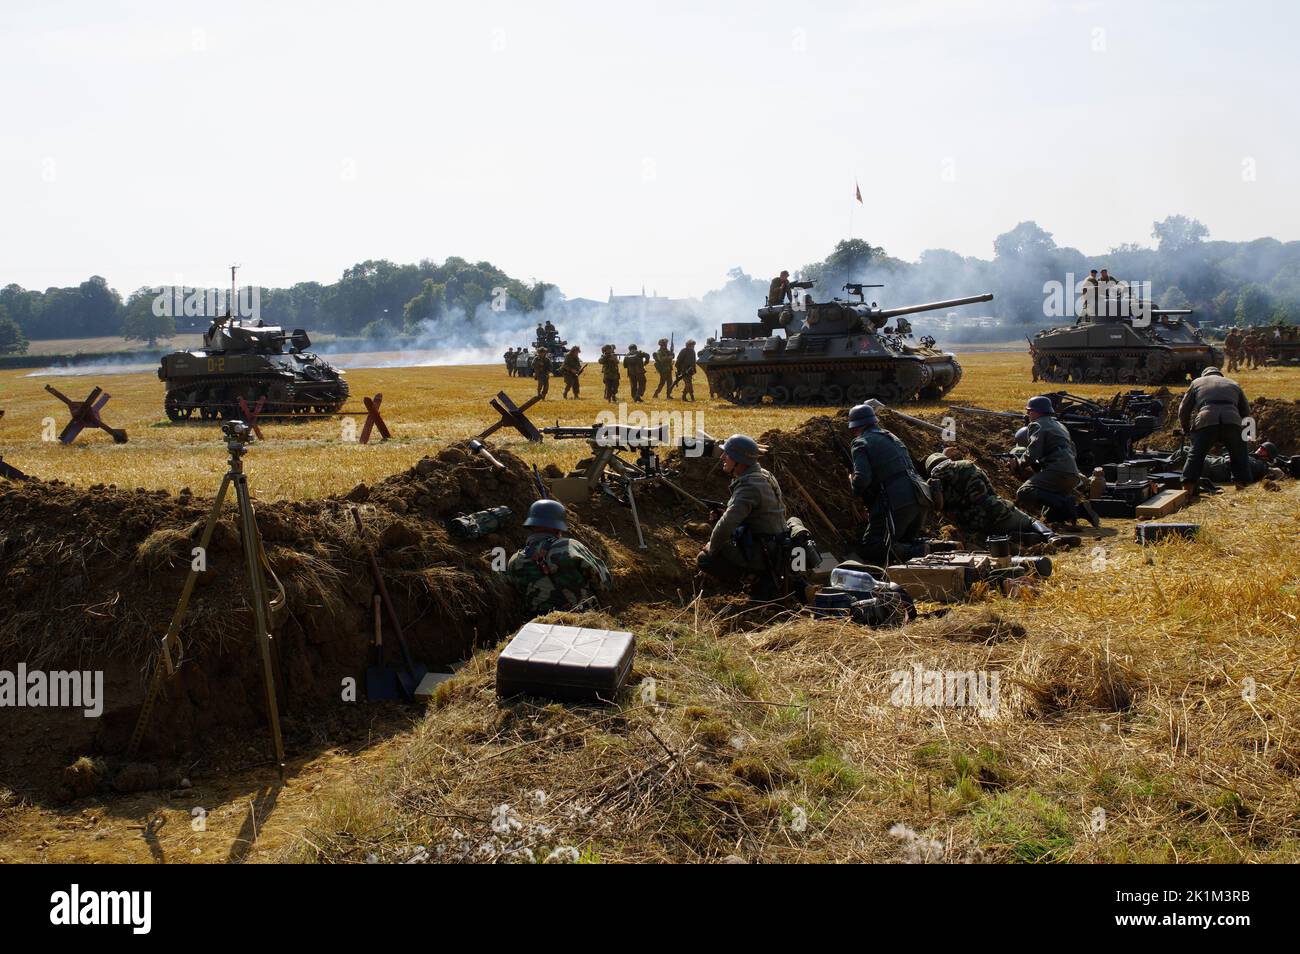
238 435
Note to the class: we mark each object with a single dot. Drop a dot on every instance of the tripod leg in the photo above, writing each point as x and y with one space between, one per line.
262 630
165 665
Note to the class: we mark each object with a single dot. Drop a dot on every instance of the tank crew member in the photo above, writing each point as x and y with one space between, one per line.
634 363
552 571
686 370
571 370
1211 413
664 368
964 494
1049 452
898 501
753 519
609 371
779 290
542 371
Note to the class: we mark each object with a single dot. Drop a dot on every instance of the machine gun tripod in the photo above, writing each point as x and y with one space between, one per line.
238 435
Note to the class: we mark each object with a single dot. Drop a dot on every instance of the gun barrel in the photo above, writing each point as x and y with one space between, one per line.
934 305
1171 311
987 413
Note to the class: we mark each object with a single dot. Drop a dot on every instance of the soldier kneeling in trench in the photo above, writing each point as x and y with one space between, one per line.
747 539
964 494
552 571
1046 454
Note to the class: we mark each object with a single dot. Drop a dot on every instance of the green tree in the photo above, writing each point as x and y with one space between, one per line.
12 339
1253 305
1175 233
426 306
1174 298
139 323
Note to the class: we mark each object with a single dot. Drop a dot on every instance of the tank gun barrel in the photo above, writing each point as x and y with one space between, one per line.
932 306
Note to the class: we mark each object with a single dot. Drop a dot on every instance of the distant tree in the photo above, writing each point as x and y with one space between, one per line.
139 323
1176 233
1174 298
377 330
426 306
12 339
1253 305
1026 240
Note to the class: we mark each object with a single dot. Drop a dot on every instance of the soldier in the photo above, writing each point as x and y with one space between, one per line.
634 364
1049 452
742 541
965 495
1232 349
510 362
1212 411
1088 297
1218 467
571 369
664 368
554 572
542 372
779 290
686 370
609 371
898 501
1258 348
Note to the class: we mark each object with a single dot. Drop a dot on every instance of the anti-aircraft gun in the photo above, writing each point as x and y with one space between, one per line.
836 352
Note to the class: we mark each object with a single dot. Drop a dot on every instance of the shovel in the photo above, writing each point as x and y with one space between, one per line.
381 682
409 678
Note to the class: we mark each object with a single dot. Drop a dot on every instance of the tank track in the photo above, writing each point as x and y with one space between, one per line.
887 379
1141 366
216 397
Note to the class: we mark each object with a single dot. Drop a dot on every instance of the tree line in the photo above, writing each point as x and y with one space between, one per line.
1225 283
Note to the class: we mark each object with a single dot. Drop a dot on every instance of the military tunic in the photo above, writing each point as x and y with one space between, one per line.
756 505
571 369
556 573
664 368
686 371
635 363
609 375
972 504
885 478
542 372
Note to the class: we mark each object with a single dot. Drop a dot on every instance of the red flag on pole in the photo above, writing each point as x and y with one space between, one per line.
857 192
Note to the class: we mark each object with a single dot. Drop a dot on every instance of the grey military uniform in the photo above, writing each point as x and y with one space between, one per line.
1052 454
755 510
897 501
1211 413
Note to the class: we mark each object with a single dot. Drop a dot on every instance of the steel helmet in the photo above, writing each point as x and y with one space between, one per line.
741 448
1266 450
547 513
1210 372
862 415
933 459
1042 404
1022 437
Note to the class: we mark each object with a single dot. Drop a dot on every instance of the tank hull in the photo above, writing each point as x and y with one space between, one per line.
833 381
1115 352
207 386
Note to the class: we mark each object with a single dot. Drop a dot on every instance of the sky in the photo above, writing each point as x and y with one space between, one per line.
598 145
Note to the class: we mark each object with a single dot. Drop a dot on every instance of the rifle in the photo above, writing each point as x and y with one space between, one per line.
541 489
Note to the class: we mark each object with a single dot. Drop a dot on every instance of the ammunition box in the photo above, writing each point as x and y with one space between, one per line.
568 663
934 582
570 490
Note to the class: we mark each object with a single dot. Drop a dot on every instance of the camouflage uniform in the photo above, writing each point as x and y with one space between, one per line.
556 573
755 513
634 363
542 372
1051 453
686 370
609 372
571 369
897 500
664 368
973 506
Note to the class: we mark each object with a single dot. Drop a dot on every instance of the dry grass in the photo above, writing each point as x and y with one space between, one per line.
425 408
1148 712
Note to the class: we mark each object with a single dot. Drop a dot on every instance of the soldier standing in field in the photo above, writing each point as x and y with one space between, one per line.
542 372
885 479
664 368
964 494
609 371
686 370
1232 349
571 370
552 571
634 363
510 362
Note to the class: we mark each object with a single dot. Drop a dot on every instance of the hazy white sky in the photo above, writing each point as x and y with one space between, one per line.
619 144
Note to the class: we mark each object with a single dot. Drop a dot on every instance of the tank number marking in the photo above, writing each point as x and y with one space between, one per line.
216 364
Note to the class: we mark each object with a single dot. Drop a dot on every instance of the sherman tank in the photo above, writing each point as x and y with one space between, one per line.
1124 343
248 359
837 352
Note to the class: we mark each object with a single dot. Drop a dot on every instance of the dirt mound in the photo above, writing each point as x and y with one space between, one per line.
1279 422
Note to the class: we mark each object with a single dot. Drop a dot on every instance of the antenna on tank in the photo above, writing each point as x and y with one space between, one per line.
230 309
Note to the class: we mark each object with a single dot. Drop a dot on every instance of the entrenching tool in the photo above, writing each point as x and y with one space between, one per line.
408 679
478 447
381 681
238 434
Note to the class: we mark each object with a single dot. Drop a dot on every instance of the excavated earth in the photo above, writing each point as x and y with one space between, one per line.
89 579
